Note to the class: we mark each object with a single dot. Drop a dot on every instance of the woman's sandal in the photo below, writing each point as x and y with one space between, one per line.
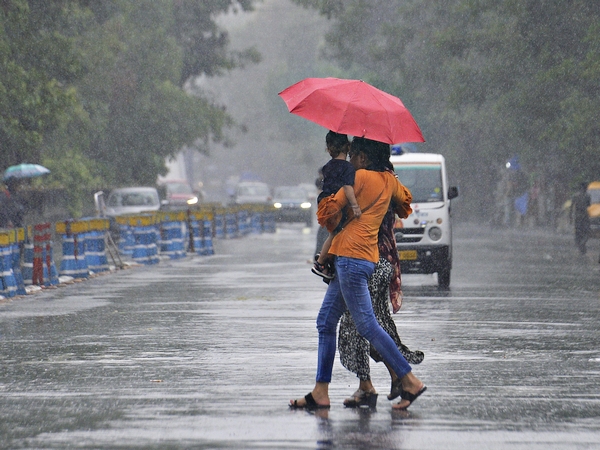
410 397
396 389
321 270
361 398
310 404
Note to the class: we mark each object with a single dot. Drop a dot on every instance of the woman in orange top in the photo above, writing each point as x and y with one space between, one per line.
356 253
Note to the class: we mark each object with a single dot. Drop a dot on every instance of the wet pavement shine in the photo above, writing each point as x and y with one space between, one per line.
206 352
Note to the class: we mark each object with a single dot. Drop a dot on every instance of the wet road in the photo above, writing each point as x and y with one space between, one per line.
207 351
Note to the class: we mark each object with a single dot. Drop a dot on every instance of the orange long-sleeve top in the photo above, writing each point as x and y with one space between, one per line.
358 239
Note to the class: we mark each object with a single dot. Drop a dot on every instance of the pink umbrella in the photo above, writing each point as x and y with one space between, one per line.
352 107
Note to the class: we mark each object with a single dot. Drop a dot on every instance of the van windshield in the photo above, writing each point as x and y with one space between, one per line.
424 181
594 195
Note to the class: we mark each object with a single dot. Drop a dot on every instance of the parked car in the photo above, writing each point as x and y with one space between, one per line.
292 204
131 200
311 190
252 192
177 194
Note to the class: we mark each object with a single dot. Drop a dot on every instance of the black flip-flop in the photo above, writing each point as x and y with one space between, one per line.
310 404
410 397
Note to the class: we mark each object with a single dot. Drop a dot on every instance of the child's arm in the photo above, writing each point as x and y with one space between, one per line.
349 192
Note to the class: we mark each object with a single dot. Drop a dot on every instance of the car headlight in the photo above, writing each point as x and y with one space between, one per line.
305 205
277 205
192 201
435 233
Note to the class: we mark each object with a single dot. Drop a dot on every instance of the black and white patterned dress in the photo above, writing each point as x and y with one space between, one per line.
354 349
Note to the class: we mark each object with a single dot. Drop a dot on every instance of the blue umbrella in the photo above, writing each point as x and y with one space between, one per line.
21 171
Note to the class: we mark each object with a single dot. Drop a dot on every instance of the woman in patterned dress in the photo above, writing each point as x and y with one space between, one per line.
385 288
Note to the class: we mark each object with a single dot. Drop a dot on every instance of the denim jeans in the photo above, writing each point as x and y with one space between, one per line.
349 290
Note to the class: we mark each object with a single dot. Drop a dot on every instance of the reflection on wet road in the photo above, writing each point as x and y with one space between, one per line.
206 352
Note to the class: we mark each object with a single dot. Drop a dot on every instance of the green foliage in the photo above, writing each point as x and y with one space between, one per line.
204 45
32 97
485 80
329 8
96 90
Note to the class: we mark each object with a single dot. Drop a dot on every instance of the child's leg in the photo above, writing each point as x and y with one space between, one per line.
323 256
321 268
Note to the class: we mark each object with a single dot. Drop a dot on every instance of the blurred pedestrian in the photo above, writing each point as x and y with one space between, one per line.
578 214
356 254
4 207
322 232
12 208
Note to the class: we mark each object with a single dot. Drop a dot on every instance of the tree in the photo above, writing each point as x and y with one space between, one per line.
485 80
35 62
103 84
134 84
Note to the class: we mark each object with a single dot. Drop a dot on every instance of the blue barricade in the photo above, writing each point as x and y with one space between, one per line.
8 282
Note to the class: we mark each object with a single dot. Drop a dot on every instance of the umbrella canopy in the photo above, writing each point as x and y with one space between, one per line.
21 171
352 107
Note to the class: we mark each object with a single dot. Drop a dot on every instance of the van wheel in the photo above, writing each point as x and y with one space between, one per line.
444 278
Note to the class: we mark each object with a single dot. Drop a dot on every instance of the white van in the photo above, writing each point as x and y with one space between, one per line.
424 239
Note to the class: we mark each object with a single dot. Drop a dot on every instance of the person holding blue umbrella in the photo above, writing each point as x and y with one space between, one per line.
12 206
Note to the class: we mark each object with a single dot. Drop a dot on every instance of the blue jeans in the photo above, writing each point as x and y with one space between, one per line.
349 290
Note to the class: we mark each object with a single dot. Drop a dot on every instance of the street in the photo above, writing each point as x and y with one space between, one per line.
206 352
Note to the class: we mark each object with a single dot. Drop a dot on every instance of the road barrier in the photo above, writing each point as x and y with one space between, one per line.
173 231
231 224
243 218
219 222
201 230
44 269
27 264
74 263
256 219
17 248
146 235
8 281
126 238
268 216
95 245
27 255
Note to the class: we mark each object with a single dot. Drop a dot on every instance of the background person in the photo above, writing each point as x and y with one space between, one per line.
322 232
12 208
578 214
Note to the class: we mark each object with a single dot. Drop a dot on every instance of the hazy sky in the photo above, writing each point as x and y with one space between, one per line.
289 39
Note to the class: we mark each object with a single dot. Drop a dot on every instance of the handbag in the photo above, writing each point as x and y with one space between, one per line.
330 213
